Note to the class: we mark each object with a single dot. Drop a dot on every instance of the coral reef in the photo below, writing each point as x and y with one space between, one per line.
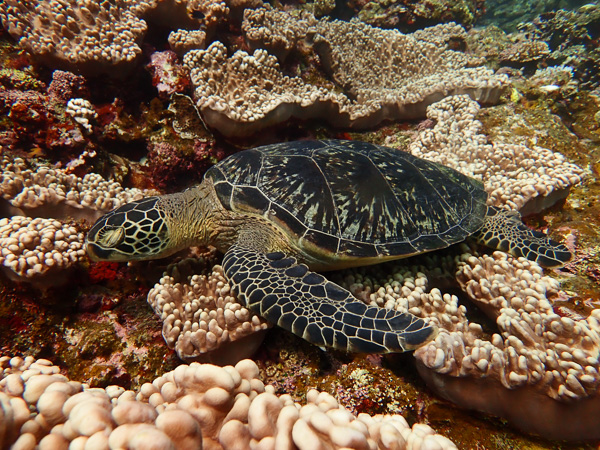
545 362
407 15
87 36
572 37
195 406
514 343
44 191
39 250
276 31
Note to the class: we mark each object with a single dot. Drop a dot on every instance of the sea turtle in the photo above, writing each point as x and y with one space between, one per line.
281 212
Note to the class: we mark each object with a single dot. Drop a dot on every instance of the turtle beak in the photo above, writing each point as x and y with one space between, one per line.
97 253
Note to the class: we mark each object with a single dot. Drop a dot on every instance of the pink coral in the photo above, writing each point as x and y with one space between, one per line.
172 169
66 85
168 75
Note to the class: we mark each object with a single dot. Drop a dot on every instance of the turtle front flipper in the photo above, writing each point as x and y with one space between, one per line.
504 230
289 295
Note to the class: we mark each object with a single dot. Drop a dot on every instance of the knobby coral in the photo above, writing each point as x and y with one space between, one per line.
45 191
514 175
84 35
276 31
243 93
201 314
39 250
194 406
105 37
546 364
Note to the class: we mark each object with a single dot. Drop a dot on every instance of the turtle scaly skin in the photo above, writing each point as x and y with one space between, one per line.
281 212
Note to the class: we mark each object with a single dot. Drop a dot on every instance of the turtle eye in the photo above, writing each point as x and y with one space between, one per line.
110 237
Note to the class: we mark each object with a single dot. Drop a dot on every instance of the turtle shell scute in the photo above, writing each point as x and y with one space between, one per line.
352 198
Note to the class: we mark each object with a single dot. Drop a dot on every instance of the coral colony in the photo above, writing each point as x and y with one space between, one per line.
106 102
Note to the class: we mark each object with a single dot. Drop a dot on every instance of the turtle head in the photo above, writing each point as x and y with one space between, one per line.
135 231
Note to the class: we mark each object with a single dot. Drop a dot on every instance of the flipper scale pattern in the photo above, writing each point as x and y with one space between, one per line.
307 304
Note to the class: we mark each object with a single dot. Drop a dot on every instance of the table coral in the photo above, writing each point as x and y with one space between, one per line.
276 31
193 406
524 51
403 72
240 94
403 15
87 36
45 191
514 175
546 363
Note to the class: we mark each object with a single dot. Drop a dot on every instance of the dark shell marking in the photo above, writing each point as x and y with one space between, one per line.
353 198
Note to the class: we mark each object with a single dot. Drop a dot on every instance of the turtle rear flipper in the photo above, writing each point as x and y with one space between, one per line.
307 304
504 230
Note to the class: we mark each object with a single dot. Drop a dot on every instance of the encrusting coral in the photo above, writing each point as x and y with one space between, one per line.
201 314
514 175
194 406
243 93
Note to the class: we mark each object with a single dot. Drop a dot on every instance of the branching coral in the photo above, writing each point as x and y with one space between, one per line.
200 314
515 176
195 406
